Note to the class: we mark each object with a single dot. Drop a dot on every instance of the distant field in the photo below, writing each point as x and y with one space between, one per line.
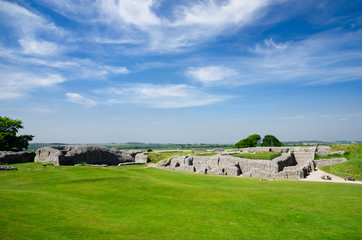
134 202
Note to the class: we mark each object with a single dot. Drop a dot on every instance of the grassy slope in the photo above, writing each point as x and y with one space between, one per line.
258 155
156 157
353 167
145 203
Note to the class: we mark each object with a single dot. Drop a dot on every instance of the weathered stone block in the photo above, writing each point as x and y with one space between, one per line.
75 154
141 158
328 162
7 168
16 157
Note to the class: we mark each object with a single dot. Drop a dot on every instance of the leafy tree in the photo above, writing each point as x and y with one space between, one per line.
251 141
8 139
271 141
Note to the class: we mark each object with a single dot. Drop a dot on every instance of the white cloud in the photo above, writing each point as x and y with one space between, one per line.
270 43
43 110
79 99
185 25
116 70
16 84
213 13
27 24
210 73
160 96
72 67
309 61
31 47
295 117
136 12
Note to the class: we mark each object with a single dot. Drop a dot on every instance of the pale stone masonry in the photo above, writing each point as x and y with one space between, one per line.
293 163
78 154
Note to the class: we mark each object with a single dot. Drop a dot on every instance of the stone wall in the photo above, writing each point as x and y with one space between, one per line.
7 168
326 150
285 160
16 157
323 150
328 162
141 158
283 166
78 154
302 157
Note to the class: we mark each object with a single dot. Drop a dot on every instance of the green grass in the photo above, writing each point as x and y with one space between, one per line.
258 155
157 157
353 167
134 202
207 154
345 155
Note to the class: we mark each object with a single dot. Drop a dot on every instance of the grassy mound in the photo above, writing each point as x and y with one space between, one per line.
157 157
258 155
134 202
353 167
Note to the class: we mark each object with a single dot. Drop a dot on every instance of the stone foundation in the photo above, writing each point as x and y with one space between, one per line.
288 165
79 154
328 162
16 157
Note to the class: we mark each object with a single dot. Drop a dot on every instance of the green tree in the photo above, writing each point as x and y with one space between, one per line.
251 141
8 139
271 141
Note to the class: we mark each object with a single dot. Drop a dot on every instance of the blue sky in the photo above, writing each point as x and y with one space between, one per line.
170 71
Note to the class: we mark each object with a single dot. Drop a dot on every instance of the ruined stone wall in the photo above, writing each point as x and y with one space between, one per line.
285 160
302 157
78 154
16 157
328 162
283 166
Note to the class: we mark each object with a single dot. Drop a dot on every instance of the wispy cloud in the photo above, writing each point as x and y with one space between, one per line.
149 95
331 117
309 61
210 73
162 96
80 99
33 47
294 117
185 25
18 84
27 23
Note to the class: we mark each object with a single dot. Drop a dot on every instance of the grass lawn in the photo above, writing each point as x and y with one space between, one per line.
133 202
353 167
258 155
156 157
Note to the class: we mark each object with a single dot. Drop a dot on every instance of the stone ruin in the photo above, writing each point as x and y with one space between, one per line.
293 163
87 154
16 157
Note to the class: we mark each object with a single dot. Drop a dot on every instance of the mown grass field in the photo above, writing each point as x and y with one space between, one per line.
134 202
353 167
